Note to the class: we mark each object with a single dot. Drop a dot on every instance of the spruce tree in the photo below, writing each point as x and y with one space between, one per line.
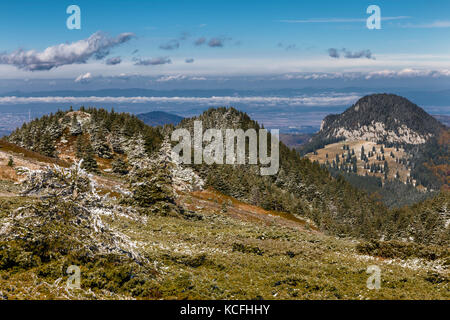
100 144
47 145
75 126
89 162
119 166
11 162
79 147
85 151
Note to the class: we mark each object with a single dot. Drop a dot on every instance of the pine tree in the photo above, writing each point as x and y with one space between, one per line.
79 147
100 145
47 145
138 153
75 126
85 152
119 166
11 162
89 162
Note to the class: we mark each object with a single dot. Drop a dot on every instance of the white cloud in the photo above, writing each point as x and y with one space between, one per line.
340 20
172 78
84 78
408 73
245 66
113 61
152 61
435 24
178 77
171 45
335 53
97 46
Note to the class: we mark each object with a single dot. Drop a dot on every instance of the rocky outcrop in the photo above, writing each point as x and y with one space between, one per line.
377 131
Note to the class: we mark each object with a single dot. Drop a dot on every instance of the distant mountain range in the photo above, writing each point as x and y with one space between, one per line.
443 119
159 118
295 140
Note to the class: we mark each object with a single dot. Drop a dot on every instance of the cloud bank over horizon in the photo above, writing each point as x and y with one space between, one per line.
336 99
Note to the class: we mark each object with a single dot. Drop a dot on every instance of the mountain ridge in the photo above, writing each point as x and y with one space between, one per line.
140 225
122 145
159 118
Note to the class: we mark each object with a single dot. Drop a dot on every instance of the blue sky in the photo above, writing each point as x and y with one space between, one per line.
240 38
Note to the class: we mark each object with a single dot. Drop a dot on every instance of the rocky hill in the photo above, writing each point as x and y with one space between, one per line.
104 140
387 137
383 118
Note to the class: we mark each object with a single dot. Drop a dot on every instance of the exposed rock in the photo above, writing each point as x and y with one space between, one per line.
377 132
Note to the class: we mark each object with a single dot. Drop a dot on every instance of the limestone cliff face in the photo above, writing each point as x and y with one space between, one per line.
377 131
